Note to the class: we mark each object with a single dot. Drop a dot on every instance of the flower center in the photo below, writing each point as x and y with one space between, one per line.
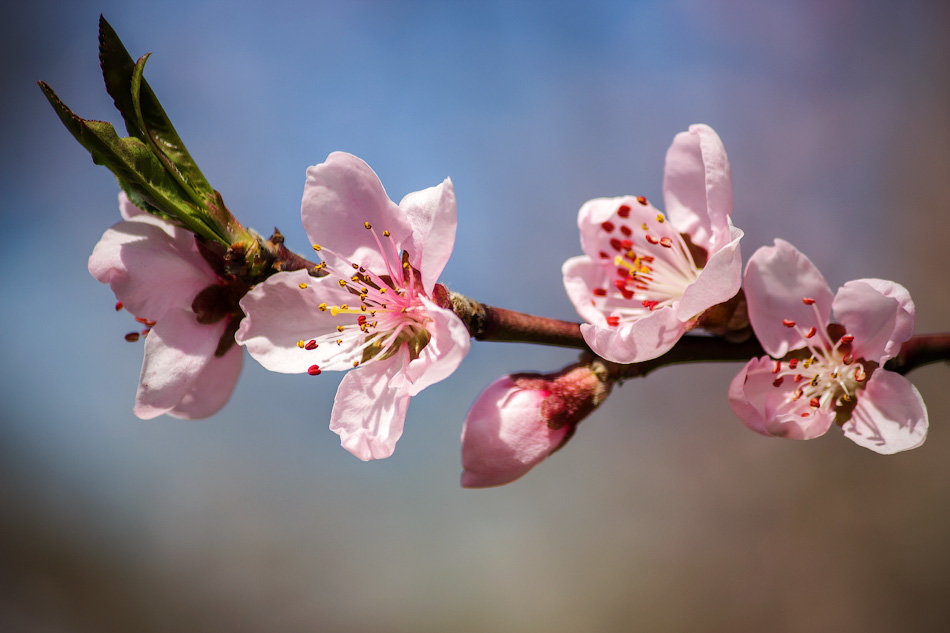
828 377
652 265
386 311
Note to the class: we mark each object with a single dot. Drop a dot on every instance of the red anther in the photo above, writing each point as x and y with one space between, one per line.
649 305
847 339
613 321
626 294
623 210
797 378
361 319
145 331
814 403
311 344
626 244
778 381
119 305
600 292
626 230
603 255
608 226
642 200
666 242
848 359
623 272
652 240
777 367
810 333
788 323
648 258
313 370
792 363
641 286
808 301
141 320
806 414
859 373
799 393
621 284
131 337
615 244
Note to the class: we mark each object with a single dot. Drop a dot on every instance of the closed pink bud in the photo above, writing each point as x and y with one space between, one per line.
520 419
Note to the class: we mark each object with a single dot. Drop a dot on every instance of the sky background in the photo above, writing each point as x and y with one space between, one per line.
663 513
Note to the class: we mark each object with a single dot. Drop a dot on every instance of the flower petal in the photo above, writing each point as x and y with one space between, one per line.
340 195
448 344
632 342
890 415
596 214
368 413
504 435
771 410
581 275
433 217
150 269
279 314
879 313
697 186
719 280
177 351
212 387
776 279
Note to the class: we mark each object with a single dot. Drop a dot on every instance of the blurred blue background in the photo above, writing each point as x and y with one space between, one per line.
663 513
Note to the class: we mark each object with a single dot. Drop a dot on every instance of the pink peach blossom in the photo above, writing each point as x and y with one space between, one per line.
372 310
828 372
157 272
646 278
519 420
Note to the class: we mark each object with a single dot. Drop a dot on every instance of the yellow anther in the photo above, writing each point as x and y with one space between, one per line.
321 265
382 290
342 283
317 247
302 285
644 226
343 306
367 225
385 233
814 380
339 341
335 310
660 218
300 344
323 307
355 278
355 363
339 328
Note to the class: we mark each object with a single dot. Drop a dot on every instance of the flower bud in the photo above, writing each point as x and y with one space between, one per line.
520 419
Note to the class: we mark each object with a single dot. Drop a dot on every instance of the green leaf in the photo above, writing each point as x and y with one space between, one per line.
144 116
138 170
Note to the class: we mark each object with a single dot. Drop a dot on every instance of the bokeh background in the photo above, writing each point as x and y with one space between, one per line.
664 512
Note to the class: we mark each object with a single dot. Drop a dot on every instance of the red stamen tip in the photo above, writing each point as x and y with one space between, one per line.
623 210
131 337
311 344
847 339
608 226
810 333
119 305
652 240
603 255
666 242
778 367
626 230
788 323
778 381
814 403
314 370
613 321
615 244
642 200
792 363
600 292
808 301
649 305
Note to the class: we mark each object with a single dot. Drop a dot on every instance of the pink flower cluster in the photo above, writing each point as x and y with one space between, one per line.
645 279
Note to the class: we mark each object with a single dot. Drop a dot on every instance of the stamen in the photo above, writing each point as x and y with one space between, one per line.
313 370
367 225
386 233
626 230
302 285
311 344
788 323
666 242
600 292
131 337
778 367
642 200
608 226
300 344
613 321
119 305
317 247
808 301
623 211
810 333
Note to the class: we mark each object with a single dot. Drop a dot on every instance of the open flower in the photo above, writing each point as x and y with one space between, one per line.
372 309
159 275
520 419
827 372
646 278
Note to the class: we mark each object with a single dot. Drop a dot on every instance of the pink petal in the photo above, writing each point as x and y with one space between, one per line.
879 313
433 218
769 410
150 268
776 279
368 413
719 281
581 275
212 387
126 209
890 415
504 435
177 351
340 195
448 345
646 338
279 314
697 186
594 213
